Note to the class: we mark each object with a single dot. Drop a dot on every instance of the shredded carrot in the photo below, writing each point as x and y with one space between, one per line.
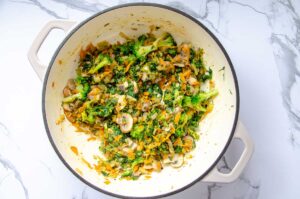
177 117
74 149
91 139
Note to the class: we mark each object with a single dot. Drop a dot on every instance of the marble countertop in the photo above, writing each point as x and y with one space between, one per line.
263 41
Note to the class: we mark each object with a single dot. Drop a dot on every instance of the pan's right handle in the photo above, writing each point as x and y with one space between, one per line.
216 176
33 58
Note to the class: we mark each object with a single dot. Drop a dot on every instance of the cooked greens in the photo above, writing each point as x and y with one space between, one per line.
143 100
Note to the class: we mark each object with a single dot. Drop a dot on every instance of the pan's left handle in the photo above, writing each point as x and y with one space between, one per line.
33 58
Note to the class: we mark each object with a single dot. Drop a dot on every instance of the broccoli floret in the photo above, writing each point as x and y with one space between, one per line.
179 132
124 49
127 173
89 118
126 59
172 52
166 40
178 149
195 101
82 87
137 161
141 51
137 132
197 58
100 62
100 110
207 75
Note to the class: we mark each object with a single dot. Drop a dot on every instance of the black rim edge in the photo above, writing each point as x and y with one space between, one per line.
122 6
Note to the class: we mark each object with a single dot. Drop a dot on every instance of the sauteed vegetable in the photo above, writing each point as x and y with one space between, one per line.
143 99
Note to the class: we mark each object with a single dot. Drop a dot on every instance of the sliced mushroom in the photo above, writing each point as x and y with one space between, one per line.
67 91
123 86
94 93
67 107
125 121
156 166
144 76
171 148
131 144
177 161
135 87
71 84
146 106
205 86
188 142
193 81
121 102
130 98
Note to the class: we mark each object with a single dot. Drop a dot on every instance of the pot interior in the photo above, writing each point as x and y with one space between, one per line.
215 130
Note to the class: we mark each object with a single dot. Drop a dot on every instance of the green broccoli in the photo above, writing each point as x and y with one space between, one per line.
137 132
89 118
195 101
207 75
100 110
100 62
166 40
137 161
124 49
82 87
141 51
129 59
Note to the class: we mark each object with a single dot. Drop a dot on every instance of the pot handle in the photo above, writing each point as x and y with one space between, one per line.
216 176
32 55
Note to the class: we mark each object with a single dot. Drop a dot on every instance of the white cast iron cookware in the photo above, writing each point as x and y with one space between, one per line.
216 131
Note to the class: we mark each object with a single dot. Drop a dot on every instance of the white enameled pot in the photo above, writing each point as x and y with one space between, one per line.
216 131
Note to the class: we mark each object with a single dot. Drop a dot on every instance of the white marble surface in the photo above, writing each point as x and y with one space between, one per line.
263 41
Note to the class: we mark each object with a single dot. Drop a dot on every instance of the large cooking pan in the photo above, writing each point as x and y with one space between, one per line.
217 129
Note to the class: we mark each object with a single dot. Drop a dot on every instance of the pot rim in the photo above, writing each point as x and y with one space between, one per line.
78 26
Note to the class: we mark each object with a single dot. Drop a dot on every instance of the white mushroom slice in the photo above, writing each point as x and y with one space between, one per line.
67 91
205 86
123 86
188 142
71 84
125 121
130 98
135 87
154 116
146 106
126 150
177 161
193 81
144 77
171 148
121 102
129 141
166 160
134 146
188 139
177 109
67 107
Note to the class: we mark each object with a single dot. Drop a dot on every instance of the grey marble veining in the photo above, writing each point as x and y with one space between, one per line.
263 41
